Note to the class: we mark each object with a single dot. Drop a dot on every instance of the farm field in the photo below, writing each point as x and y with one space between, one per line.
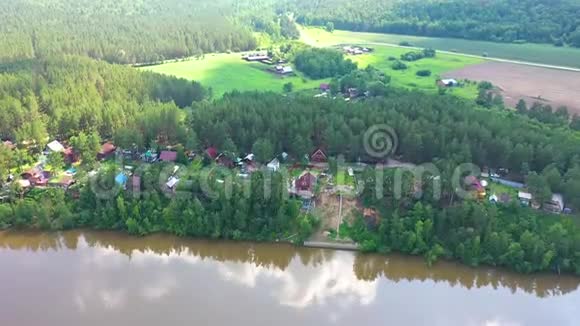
537 53
442 63
533 84
228 72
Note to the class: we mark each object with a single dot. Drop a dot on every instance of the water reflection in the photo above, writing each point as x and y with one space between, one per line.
246 262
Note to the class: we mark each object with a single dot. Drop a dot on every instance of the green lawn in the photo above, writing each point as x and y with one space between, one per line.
498 189
408 78
538 53
227 72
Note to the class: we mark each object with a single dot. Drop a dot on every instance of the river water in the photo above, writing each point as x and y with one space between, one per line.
102 278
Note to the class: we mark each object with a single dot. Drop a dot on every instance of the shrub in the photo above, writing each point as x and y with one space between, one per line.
399 65
424 73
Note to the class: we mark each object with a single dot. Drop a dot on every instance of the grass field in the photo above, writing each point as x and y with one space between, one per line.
408 79
538 53
227 72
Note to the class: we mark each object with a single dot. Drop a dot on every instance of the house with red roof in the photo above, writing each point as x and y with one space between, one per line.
325 87
304 186
168 156
318 156
70 156
107 149
212 153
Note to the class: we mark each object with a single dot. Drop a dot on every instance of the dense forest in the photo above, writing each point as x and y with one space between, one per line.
119 31
542 21
62 97
131 32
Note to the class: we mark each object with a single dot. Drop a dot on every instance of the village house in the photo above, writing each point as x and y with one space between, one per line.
274 165
225 161
70 156
107 150
447 83
318 156
284 70
304 185
555 204
33 175
324 87
257 56
525 198
352 93
168 156
354 50
476 185
212 153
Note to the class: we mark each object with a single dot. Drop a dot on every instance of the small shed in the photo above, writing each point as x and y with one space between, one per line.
55 146
274 165
172 182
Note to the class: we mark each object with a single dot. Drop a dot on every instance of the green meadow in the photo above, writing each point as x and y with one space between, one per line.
538 53
228 72
379 59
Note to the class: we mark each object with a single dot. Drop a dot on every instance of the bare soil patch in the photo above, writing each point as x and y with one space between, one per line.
533 84
328 208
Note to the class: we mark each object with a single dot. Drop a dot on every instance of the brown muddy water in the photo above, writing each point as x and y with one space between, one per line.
101 278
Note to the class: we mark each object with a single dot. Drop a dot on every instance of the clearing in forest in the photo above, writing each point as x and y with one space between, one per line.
382 59
228 72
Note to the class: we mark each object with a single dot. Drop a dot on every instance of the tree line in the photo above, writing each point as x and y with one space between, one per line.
540 21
